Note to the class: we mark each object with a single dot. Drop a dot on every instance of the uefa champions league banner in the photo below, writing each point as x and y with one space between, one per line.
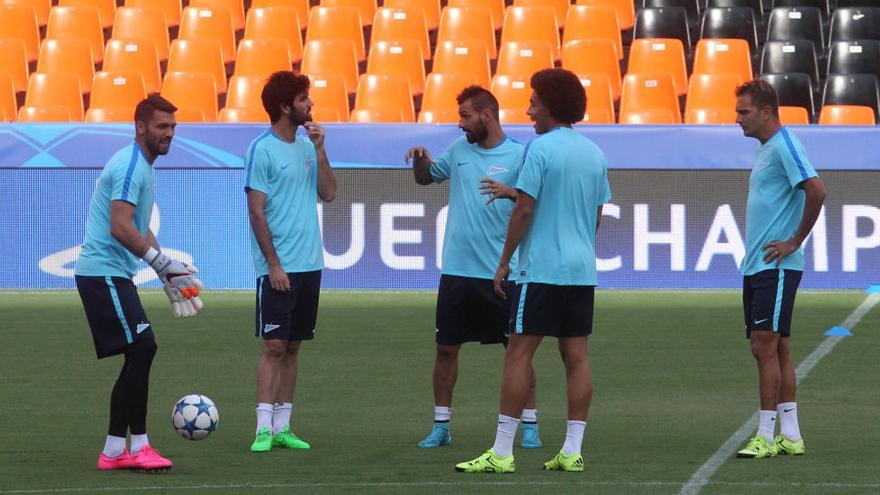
676 224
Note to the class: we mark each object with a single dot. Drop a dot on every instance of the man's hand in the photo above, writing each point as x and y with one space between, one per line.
182 306
777 250
174 273
417 152
497 190
278 278
316 133
500 278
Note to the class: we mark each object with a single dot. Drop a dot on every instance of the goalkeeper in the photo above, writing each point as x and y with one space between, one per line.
117 233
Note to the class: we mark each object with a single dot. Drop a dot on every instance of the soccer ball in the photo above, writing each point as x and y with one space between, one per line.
194 417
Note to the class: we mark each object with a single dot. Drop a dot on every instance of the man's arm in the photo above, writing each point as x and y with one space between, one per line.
151 240
421 166
815 196
520 219
257 214
123 230
326 178
598 218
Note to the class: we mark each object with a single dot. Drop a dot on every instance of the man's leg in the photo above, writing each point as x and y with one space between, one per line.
444 376
531 439
268 381
515 384
139 360
579 385
764 344
283 437
789 440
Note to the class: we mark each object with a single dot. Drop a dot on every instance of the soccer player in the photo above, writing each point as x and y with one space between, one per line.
561 188
785 198
285 174
468 309
117 234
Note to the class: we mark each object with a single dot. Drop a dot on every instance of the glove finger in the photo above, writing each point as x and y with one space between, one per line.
175 309
197 303
190 309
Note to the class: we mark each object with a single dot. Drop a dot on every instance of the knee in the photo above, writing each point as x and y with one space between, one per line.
447 354
274 349
762 351
144 347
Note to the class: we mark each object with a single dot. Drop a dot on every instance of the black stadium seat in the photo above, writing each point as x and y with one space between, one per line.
663 22
856 3
796 23
822 5
854 57
855 23
730 22
756 5
791 56
795 90
854 89
692 7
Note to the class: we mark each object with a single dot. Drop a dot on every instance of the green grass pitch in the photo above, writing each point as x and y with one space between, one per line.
673 380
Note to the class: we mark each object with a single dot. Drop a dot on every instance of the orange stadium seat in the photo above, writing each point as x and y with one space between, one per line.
378 115
276 22
199 55
524 57
600 101
533 23
625 10
53 113
326 115
78 22
599 116
399 57
235 8
715 91
329 93
245 92
192 90
235 115
171 9
431 8
595 56
649 99
41 9
723 56
847 115
437 116
106 9
468 23
467 56
301 6
73 56
660 55
588 23
116 115
139 55
496 9
13 61
560 7
385 91
190 114
146 23
514 115
394 24
326 57
793 116
512 91
710 115
8 106
441 91
117 90
216 23
262 57
51 90
330 23
19 22
366 8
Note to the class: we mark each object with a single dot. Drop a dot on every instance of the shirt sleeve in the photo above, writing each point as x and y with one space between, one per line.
257 169
603 191
440 170
128 182
531 174
795 162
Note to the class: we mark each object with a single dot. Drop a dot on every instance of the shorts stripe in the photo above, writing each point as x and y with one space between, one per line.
116 304
520 308
260 303
777 308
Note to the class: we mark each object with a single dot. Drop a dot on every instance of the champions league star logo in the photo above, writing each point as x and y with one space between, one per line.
62 263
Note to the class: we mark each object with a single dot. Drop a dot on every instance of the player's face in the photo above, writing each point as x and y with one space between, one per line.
301 111
159 132
471 122
539 114
749 117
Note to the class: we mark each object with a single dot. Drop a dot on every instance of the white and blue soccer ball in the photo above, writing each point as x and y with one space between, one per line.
195 417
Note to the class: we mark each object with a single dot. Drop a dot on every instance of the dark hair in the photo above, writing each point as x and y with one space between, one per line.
481 99
282 88
763 94
150 105
562 93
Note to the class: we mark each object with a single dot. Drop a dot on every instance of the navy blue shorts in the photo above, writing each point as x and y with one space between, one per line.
768 300
469 310
113 308
288 315
552 310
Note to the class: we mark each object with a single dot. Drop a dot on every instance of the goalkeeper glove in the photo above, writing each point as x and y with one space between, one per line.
181 286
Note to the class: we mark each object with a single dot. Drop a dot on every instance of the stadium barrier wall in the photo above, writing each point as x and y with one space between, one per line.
676 220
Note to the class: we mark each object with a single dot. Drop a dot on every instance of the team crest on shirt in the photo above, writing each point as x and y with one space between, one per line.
495 169
309 162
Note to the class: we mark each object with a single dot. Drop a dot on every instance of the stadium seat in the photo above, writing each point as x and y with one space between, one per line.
730 22
855 23
171 9
560 7
325 57
757 6
712 91
710 116
276 23
524 57
399 57
790 56
19 22
73 56
691 7
41 9
117 90
665 23
794 90
496 9
598 117
624 8
143 23
8 105
394 24
431 9
442 90
192 90
438 116
78 22
328 93
13 61
126 55
721 56
514 116
385 91
51 90
854 89
856 3
262 57
596 56
649 98
216 23
846 115
467 23
466 56
378 116
106 9
52 113
824 6
114 115
535 23
235 8
337 23
189 114
794 116
238 115
512 91
854 57
600 102
199 55
301 6
366 8
245 92
660 55
589 23
796 23
326 115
